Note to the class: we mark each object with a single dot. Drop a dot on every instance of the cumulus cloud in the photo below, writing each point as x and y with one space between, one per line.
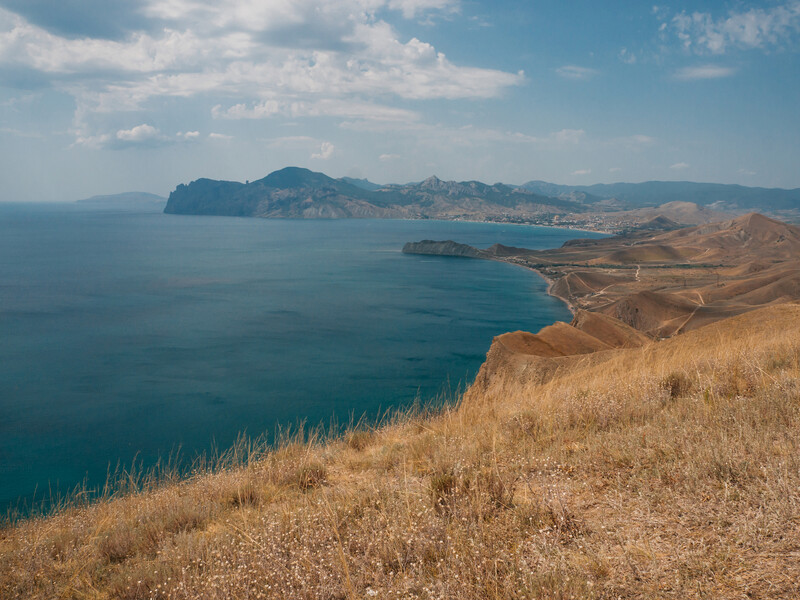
322 108
679 166
219 136
140 136
412 8
577 73
704 72
388 157
582 172
298 58
760 28
326 150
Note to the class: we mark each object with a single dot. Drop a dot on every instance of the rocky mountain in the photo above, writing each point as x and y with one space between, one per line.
301 193
365 184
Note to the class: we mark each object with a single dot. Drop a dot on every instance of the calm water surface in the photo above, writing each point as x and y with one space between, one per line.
130 334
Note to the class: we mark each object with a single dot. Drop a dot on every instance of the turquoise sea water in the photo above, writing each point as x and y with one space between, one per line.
130 334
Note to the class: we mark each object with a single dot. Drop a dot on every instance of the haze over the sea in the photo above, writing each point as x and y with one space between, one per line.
108 96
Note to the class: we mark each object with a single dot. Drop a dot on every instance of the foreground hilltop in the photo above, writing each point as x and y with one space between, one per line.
667 470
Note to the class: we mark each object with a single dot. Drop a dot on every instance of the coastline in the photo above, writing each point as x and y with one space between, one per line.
550 282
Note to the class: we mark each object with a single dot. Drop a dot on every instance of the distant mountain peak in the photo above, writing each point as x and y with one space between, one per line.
432 181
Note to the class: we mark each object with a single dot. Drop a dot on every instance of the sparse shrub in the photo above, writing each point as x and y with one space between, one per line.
141 581
677 384
145 535
735 381
245 494
359 440
118 545
499 488
527 424
443 486
310 476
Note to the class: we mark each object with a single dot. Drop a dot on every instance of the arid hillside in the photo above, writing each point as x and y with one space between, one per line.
663 284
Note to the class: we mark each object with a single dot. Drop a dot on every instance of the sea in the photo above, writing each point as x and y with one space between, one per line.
127 336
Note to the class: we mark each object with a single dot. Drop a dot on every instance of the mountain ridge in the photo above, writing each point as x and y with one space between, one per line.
295 192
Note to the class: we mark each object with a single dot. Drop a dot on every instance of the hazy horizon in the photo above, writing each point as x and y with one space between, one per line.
101 97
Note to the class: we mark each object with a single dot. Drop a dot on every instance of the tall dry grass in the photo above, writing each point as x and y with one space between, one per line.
671 471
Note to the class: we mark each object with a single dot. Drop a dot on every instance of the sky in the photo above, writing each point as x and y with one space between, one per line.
111 96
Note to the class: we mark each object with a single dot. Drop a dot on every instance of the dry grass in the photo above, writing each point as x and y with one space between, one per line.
671 471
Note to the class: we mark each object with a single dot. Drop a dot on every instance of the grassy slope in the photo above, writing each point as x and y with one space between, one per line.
670 471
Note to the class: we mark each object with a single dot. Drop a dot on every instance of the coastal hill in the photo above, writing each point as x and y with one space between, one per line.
664 283
300 193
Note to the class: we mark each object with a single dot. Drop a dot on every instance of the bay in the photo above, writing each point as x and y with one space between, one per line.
130 334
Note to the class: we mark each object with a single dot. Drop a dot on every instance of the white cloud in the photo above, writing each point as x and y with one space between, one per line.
576 72
139 134
412 8
582 172
704 72
281 57
219 136
326 150
388 157
614 170
747 172
679 166
756 28
322 108
636 142
568 136
626 56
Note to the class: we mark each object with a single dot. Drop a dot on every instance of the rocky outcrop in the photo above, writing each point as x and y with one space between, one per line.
445 248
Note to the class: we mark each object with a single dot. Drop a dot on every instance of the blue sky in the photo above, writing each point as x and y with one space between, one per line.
106 96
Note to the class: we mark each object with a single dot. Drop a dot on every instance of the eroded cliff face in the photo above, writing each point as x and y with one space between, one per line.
520 359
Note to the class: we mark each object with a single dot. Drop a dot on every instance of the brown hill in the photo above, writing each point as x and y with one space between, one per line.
611 331
655 313
750 237
684 213
667 283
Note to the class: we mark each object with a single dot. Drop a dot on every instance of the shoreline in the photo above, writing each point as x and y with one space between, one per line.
550 282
